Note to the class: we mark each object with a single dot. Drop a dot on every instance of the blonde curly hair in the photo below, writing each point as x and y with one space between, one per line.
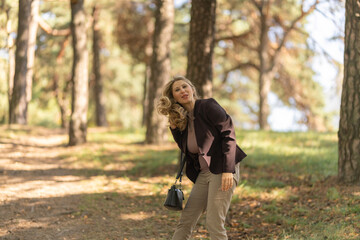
167 105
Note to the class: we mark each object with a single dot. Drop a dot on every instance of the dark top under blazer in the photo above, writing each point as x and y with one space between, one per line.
215 136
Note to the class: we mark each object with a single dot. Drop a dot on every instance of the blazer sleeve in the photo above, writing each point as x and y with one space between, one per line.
218 117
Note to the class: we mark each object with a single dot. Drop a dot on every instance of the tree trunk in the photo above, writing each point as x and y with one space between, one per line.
265 74
264 109
79 79
314 122
11 48
11 74
18 105
100 110
148 54
201 46
145 95
156 125
33 26
349 128
61 95
61 100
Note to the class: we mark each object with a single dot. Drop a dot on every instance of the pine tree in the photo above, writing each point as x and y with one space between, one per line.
255 38
201 46
100 111
18 103
156 125
79 103
349 128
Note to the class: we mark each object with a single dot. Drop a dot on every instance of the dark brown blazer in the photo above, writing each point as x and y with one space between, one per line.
215 136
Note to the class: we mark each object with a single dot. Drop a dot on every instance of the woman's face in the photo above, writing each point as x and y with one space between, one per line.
182 92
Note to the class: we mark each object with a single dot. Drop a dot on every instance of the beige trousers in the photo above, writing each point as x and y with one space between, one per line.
206 195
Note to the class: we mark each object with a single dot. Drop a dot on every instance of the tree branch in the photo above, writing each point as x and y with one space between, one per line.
238 67
233 37
256 49
49 30
257 5
336 23
322 50
62 49
289 30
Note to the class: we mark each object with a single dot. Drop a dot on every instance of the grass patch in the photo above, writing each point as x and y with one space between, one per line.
333 194
124 152
299 153
269 183
114 135
152 163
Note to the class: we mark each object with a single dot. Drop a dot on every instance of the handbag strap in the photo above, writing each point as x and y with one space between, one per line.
180 173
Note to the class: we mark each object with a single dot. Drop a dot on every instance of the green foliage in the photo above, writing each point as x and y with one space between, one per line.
123 82
123 90
123 59
44 114
238 99
239 29
180 40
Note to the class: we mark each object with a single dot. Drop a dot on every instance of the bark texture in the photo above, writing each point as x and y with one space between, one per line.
79 101
11 47
18 104
100 109
156 125
33 26
266 73
145 95
201 46
349 128
62 101
61 94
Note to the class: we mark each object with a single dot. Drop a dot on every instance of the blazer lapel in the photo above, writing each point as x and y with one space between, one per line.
199 126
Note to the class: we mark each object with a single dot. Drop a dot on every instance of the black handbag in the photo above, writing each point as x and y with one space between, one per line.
175 197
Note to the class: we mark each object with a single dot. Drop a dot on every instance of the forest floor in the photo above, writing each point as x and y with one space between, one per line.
113 187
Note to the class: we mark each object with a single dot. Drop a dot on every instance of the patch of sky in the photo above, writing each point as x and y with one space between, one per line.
4 53
326 28
48 15
105 52
284 118
226 12
179 3
289 45
275 33
222 44
13 35
42 38
140 8
229 89
152 5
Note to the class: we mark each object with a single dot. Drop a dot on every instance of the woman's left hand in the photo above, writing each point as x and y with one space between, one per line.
226 181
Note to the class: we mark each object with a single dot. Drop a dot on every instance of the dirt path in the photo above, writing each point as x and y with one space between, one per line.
46 195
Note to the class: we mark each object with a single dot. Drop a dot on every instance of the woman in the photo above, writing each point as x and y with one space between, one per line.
205 133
